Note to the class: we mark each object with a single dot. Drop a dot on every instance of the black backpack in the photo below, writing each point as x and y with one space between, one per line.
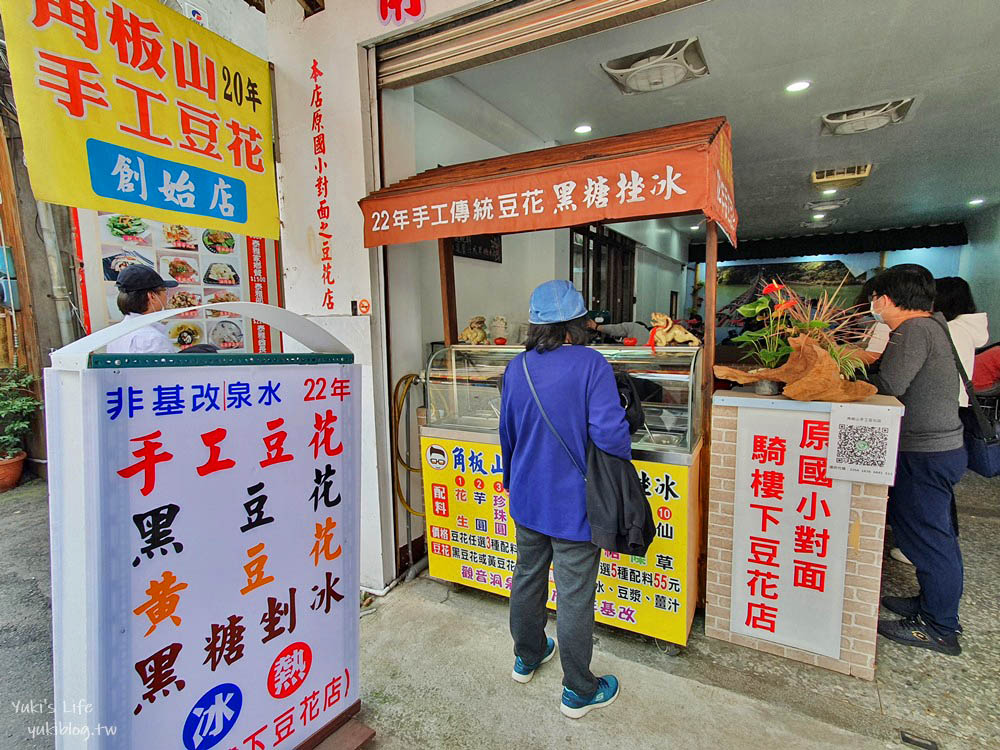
631 401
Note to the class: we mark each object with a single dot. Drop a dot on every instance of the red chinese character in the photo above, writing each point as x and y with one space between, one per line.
142 97
764 578
283 726
275 444
809 541
317 124
328 277
214 463
77 14
200 129
197 78
331 694
323 437
763 551
393 10
157 673
768 484
761 616
319 143
315 73
812 503
809 575
328 302
815 434
769 449
77 91
256 744
148 459
340 388
136 41
317 97
812 470
765 515
310 707
244 147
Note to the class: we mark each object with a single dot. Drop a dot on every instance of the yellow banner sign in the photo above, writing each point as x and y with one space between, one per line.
471 540
129 107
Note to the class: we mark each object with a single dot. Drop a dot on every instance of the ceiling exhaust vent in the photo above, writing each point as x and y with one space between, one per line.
843 177
863 119
658 68
827 205
822 224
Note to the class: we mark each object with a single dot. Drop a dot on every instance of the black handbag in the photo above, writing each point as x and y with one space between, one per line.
981 439
629 528
628 394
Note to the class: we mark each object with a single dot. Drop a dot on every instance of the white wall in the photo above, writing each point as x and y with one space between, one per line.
660 267
980 264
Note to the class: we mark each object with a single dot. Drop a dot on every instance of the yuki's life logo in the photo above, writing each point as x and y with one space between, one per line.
212 717
436 457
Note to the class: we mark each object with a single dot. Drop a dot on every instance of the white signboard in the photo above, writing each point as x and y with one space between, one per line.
864 440
228 503
789 532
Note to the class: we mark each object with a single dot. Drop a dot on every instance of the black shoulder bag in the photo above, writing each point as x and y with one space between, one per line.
981 439
613 491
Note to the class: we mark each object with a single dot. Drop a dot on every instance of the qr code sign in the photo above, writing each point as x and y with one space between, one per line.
859 445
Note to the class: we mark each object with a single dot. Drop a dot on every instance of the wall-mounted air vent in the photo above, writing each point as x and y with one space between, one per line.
827 205
863 119
658 68
842 177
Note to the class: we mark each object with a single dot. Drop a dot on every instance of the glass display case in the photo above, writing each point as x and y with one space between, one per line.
463 392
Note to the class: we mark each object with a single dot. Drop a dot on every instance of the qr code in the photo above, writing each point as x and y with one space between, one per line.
859 445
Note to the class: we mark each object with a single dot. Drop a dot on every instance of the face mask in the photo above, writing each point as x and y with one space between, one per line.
877 315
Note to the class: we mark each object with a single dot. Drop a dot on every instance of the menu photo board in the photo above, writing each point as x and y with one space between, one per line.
209 266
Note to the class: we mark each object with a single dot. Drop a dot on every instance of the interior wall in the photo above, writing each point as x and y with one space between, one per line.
660 267
980 265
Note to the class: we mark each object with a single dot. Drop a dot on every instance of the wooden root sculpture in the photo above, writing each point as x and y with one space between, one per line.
810 374
667 332
475 332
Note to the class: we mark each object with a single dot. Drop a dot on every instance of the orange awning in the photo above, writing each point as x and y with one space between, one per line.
670 171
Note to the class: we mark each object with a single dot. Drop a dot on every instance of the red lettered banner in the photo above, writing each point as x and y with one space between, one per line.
257 263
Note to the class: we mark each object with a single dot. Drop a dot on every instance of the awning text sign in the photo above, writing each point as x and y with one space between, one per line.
129 107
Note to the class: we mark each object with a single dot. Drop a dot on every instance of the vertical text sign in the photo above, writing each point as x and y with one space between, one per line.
789 532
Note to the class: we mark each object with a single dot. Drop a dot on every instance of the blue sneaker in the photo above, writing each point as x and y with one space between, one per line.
523 673
575 706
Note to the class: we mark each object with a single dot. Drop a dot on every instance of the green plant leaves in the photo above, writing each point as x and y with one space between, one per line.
755 308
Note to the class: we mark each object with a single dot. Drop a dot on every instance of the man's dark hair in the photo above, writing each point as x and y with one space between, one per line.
135 302
953 297
549 336
909 286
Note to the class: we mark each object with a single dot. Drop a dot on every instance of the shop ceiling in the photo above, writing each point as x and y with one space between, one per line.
855 53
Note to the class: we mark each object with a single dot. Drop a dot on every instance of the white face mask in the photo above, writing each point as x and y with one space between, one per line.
877 315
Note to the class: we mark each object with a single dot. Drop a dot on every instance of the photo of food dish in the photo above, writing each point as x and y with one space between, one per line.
221 273
128 228
180 298
218 241
116 259
186 334
179 237
181 270
226 334
221 295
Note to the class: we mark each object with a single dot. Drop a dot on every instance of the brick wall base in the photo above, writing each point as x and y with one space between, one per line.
863 574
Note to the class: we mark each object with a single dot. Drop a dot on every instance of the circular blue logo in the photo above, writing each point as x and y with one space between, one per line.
212 717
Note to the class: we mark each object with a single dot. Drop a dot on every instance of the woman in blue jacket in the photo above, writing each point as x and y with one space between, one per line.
576 387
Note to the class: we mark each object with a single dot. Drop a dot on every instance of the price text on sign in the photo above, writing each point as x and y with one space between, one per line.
472 539
235 491
135 109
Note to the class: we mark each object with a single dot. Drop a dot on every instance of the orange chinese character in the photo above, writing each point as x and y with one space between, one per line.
324 538
245 146
190 73
162 602
255 569
77 91
77 14
135 39
144 128
200 130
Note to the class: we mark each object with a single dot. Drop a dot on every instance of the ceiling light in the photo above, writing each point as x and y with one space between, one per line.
818 217
977 202
582 129
798 86
696 227
826 204
830 191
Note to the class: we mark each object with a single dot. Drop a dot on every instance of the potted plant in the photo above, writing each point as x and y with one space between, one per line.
811 347
17 404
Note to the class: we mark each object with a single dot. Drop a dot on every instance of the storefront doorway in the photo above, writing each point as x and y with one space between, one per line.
602 267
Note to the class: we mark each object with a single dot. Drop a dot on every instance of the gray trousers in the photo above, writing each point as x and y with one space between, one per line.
575 567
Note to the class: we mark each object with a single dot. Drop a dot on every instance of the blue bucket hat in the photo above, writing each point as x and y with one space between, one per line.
555 302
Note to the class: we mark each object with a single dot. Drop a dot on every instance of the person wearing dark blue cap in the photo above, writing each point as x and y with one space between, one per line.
576 387
142 290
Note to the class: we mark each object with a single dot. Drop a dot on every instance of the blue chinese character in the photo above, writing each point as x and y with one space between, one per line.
482 525
211 718
476 463
168 400
239 395
269 393
205 397
458 458
116 402
497 467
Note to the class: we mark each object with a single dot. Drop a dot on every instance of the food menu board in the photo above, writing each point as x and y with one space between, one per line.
209 265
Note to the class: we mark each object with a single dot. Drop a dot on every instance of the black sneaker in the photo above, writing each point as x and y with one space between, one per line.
912 631
906 606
